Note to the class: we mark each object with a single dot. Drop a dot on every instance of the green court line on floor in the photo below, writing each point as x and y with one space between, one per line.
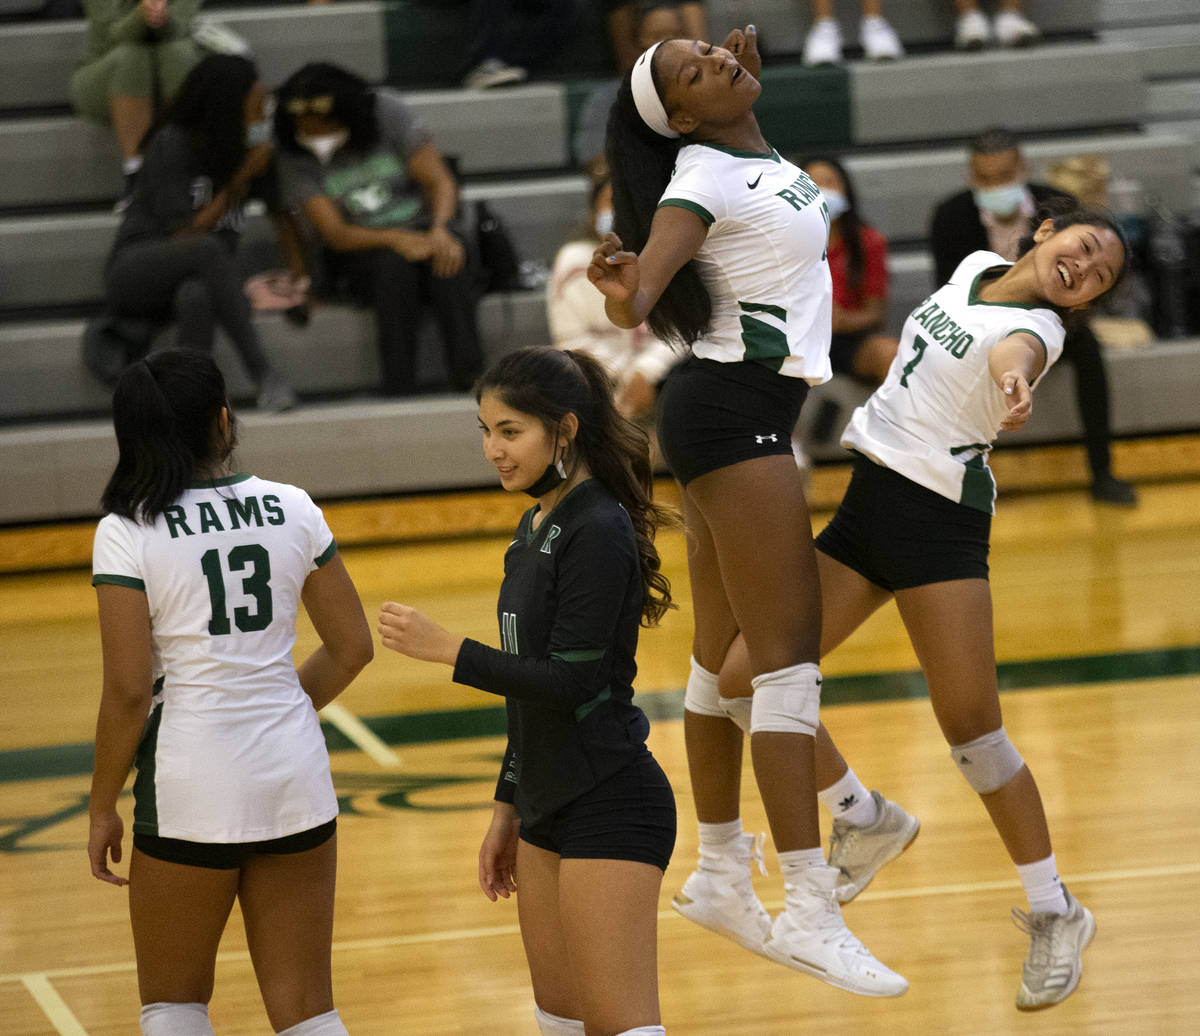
73 760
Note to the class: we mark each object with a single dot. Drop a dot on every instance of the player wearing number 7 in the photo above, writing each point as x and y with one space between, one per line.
915 522
199 574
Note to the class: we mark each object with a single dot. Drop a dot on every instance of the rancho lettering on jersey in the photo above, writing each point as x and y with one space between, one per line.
943 329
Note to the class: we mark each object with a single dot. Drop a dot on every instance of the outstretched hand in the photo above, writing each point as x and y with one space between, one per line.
1020 400
743 45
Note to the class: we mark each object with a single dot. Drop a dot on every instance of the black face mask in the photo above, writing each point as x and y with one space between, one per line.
554 475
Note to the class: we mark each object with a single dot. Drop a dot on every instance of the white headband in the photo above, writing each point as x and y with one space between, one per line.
645 96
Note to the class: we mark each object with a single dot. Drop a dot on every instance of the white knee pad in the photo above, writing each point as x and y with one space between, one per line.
552 1025
989 762
327 1024
787 701
738 710
169 1019
701 695
645 1030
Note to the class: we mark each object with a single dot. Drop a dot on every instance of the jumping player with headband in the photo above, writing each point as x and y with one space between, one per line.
584 819
915 522
720 245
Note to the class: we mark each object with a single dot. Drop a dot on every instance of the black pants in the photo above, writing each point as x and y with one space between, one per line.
1081 349
397 291
492 30
193 280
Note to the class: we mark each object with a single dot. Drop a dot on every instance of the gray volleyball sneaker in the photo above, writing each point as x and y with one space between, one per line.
1055 962
719 895
860 852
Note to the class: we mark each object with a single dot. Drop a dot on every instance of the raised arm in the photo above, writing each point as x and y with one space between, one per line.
1015 364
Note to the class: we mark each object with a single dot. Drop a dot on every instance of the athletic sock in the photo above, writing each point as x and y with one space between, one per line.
849 799
327 1024
794 863
1043 888
713 836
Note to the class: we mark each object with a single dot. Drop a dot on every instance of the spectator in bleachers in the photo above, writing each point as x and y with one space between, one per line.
364 172
503 51
636 359
139 52
1009 28
823 44
857 255
1000 207
632 22
173 254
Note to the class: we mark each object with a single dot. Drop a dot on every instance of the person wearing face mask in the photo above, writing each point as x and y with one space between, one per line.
173 256
636 359
364 173
995 212
857 256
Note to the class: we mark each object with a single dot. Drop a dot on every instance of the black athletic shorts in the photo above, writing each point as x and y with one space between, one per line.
231 855
898 534
628 816
712 415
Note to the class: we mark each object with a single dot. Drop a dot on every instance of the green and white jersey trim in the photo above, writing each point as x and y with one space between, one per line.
763 260
936 415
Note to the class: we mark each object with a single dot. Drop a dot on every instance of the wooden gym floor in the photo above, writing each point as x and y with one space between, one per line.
1098 637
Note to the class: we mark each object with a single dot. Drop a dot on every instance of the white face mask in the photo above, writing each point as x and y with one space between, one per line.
1000 201
836 203
324 146
604 222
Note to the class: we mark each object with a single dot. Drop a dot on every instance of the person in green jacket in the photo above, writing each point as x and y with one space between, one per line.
139 52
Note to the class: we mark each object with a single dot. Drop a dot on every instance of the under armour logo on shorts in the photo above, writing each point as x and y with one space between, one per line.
760 439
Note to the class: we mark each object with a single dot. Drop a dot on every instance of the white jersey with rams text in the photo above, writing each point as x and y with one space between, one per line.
233 750
763 261
936 415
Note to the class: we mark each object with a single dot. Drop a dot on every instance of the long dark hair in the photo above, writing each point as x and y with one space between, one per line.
353 104
165 410
851 223
1064 212
640 163
211 107
547 384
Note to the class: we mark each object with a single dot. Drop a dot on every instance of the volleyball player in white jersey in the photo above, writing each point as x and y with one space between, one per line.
199 574
721 248
915 522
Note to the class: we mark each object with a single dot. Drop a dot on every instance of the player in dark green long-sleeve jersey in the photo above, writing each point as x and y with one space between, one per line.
584 817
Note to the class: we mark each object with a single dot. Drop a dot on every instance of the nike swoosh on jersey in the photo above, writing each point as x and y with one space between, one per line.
755 183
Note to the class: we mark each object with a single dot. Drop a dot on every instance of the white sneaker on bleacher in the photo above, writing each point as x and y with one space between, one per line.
823 44
810 936
879 40
492 73
1014 30
719 895
972 31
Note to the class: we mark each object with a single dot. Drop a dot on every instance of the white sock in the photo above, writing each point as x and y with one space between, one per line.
131 165
175 1019
553 1025
793 864
327 1024
713 836
849 799
1043 888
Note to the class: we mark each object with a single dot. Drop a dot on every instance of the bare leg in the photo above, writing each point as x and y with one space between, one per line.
178 914
287 903
769 573
950 626
131 117
555 982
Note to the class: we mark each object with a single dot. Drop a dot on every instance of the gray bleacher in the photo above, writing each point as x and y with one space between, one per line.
1116 97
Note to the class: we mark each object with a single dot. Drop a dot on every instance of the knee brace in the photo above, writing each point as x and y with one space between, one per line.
787 701
701 695
989 762
171 1019
645 1030
738 710
552 1025
327 1024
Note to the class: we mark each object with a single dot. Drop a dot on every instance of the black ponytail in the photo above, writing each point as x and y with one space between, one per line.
165 413
640 163
548 384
